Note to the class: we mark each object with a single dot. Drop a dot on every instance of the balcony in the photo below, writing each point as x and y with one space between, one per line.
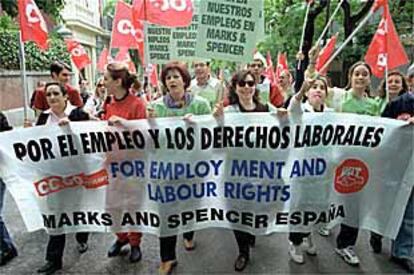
84 11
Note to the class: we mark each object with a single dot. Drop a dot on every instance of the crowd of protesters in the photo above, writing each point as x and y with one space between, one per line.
118 96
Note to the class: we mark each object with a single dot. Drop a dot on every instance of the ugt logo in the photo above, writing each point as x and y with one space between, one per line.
351 176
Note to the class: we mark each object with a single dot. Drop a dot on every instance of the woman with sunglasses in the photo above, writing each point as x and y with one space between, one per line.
243 97
60 113
122 105
178 101
94 105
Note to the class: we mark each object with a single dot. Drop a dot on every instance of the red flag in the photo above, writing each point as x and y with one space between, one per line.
269 72
325 54
151 72
385 49
125 32
124 57
170 13
103 60
78 54
32 25
282 65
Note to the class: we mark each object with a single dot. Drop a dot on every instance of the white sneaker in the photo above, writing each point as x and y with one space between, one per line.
324 231
348 255
310 246
295 253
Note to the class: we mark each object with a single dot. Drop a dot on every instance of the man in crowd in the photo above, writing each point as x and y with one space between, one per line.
204 84
60 72
269 92
402 248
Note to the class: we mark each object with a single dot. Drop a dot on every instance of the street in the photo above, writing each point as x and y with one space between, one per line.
215 253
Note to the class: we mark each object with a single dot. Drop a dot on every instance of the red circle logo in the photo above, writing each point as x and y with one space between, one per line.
351 176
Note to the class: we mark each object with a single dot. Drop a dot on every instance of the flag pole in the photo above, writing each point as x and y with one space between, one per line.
23 74
387 94
338 51
302 38
329 22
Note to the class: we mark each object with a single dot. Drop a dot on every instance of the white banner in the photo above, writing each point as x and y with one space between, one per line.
250 172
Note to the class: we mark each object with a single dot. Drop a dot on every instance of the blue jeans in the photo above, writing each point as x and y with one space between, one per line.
5 240
402 247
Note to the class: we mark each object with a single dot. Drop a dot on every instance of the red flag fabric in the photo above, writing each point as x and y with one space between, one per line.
282 65
379 3
269 72
151 72
77 53
125 32
32 25
325 54
103 60
385 49
124 57
170 13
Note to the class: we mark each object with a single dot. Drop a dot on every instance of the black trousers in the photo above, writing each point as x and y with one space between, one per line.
168 244
347 236
297 237
56 245
244 240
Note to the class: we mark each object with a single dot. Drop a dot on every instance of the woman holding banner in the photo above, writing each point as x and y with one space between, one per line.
122 105
355 98
243 97
177 102
60 113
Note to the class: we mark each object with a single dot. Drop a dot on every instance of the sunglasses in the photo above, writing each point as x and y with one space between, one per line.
65 74
243 83
100 85
53 93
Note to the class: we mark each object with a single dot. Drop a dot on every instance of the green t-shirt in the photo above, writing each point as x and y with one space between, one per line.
210 91
197 106
344 101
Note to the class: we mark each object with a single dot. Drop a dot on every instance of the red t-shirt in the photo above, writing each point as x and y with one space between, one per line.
130 107
74 98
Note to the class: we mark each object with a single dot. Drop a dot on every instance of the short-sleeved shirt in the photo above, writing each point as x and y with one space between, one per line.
345 101
74 98
210 91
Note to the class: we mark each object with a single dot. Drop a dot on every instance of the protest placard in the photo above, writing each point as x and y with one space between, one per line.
228 30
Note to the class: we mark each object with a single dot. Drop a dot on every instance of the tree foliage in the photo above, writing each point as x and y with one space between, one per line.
284 21
50 7
36 60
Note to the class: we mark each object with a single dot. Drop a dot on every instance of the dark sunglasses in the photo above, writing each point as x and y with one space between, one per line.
53 93
65 74
243 83
100 85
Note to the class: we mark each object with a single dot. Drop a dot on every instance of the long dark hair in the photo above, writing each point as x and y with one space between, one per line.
237 77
